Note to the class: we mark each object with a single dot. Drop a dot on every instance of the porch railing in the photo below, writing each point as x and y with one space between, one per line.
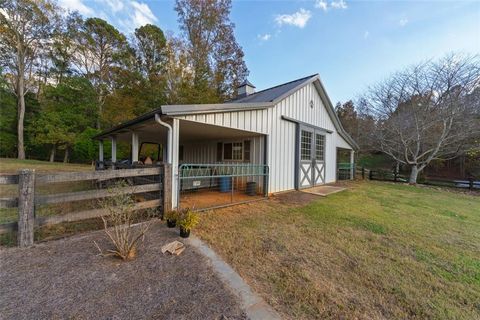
345 170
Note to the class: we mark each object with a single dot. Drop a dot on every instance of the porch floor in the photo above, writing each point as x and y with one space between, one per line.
323 190
208 198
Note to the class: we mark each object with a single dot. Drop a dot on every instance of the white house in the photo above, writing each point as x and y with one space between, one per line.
291 129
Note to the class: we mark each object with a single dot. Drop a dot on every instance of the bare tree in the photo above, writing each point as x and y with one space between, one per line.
25 29
426 111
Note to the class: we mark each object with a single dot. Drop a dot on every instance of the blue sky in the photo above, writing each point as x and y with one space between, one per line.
351 44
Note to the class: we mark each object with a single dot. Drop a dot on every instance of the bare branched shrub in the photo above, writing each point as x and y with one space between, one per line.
119 222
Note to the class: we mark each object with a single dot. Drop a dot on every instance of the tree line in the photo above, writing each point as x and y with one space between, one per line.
64 77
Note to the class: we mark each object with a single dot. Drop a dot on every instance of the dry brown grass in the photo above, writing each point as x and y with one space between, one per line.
376 251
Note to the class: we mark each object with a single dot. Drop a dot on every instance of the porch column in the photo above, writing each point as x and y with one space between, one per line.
114 149
174 146
100 150
352 164
134 147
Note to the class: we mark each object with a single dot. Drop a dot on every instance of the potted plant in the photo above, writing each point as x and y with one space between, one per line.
187 222
171 217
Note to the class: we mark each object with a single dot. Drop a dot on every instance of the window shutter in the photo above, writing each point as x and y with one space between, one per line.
246 151
227 151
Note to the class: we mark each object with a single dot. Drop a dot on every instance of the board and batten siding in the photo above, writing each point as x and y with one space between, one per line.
206 152
251 120
282 134
281 155
341 143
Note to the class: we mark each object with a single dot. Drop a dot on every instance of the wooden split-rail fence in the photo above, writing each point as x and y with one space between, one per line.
27 199
393 175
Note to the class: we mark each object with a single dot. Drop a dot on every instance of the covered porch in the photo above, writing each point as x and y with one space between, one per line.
212 166
345 164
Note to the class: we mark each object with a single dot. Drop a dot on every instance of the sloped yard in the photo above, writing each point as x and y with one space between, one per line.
376 251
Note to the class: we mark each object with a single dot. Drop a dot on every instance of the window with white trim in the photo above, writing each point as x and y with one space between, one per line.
319 147
234 151
306 145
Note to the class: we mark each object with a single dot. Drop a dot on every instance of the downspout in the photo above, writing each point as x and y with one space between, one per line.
170 137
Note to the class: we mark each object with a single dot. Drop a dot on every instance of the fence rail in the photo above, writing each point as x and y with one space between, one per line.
392 175
155 179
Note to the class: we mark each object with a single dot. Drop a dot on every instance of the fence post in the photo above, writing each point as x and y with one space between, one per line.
470 183
370 175
395 175
26 207
363 172
167 188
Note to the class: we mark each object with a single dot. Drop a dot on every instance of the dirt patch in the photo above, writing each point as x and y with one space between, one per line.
211 198
294 198
67 279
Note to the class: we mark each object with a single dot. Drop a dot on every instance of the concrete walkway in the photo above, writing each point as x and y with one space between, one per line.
254 306
323 190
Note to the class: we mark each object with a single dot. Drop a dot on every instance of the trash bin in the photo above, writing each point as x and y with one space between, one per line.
251 189
225 184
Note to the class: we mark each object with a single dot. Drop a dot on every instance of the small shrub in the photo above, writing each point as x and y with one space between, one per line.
118 223
171 215
187 219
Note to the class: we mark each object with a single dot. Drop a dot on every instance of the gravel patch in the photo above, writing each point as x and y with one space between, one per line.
67 279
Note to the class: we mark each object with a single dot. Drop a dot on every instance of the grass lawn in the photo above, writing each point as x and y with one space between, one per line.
376 251
13 165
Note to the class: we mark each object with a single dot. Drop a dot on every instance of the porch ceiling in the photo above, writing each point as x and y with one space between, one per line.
148 131
195 131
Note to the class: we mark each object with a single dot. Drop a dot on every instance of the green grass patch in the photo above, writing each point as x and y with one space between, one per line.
377 250
8 165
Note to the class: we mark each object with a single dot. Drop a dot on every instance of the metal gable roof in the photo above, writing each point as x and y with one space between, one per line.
258 100
271 94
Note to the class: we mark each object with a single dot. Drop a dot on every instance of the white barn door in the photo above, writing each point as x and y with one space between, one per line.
305 175
311 170
319 159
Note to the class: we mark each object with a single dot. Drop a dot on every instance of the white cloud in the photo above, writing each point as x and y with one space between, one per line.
366 34
141 15
297 19
264 37
76 5
127 15
321 4
115 5
403 22
339 4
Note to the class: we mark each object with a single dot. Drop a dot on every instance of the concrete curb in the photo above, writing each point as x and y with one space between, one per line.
254 306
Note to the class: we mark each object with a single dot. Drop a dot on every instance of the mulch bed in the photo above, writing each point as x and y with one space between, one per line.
68 279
